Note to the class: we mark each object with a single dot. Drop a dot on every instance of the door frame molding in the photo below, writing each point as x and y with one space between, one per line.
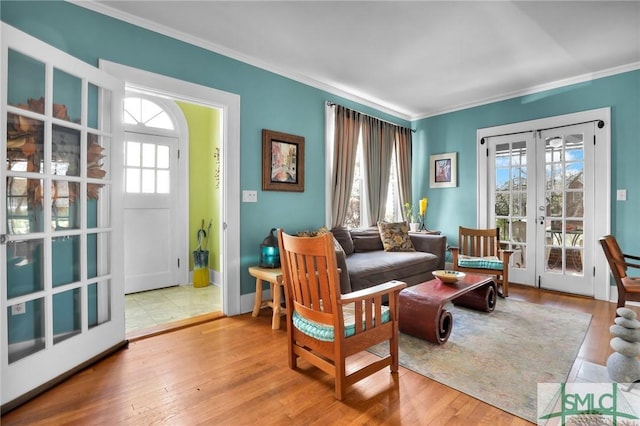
229 103
602 169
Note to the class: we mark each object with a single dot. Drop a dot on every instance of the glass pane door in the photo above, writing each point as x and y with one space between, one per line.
58 216
563 200
513 213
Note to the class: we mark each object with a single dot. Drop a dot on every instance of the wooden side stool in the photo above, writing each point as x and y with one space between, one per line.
274 277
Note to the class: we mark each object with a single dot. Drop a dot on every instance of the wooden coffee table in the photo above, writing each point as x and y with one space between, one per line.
422 312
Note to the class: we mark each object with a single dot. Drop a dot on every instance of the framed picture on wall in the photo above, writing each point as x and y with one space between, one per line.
443 170
282 162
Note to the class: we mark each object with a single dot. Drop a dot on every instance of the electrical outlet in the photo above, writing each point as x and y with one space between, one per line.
249 196
19 309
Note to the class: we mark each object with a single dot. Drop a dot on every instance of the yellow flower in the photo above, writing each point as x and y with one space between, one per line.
423 206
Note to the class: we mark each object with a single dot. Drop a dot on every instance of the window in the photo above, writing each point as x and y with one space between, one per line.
146 168
393 212
352 204
139 111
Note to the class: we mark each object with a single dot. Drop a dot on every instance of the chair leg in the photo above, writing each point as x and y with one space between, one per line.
340 371
293 358
393 350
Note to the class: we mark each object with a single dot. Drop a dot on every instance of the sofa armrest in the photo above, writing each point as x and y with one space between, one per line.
345 281
429 243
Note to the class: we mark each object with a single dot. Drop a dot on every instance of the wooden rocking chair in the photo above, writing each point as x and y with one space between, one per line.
325 327
479 252
619 262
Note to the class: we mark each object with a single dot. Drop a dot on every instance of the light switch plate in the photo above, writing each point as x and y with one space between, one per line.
621 195
249 196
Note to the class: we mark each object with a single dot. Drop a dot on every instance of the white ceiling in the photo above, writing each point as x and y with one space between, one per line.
410 58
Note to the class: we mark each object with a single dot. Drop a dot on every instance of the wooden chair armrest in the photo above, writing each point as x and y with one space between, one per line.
631 256
632 265
371 292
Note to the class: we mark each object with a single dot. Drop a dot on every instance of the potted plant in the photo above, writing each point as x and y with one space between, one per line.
412 218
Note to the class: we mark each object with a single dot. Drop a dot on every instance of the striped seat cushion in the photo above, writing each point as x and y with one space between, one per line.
324 332
488 262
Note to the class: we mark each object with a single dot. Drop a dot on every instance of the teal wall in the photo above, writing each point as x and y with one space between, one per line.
273 102
267 101
456 132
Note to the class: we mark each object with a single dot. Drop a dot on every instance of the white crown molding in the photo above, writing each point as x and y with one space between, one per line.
535 89
221 50
344 93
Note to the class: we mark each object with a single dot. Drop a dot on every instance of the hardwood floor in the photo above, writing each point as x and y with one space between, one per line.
234 371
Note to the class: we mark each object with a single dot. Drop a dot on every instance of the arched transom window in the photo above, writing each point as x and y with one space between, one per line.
140 111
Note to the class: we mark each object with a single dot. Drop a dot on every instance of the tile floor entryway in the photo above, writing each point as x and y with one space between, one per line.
156 307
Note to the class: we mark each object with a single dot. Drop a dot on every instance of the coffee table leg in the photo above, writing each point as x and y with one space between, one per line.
481 299
426 321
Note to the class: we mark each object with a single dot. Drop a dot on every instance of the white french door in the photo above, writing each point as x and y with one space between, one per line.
565 207
540 188
61 283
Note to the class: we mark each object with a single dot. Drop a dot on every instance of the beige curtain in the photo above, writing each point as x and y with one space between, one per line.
403 163
377 147
347 127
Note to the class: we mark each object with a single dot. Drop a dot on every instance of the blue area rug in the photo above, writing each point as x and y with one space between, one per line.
500 357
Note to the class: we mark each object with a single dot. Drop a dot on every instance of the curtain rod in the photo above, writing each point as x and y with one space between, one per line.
600 126
369 115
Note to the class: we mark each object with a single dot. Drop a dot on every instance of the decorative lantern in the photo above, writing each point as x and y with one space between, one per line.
269 251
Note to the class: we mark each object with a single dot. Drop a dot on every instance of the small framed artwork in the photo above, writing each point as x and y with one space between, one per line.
443 170
282 162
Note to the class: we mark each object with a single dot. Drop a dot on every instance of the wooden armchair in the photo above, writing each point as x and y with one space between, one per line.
479 252
628 287
325 327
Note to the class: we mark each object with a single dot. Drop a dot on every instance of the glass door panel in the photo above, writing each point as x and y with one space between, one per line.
565 219
57 227
67 318
26 326
25 82
564 203
67 96
25 273
65 260
511 192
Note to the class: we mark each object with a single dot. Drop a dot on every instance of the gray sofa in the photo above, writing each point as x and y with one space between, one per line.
364 263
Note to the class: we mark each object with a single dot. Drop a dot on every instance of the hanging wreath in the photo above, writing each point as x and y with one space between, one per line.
25 143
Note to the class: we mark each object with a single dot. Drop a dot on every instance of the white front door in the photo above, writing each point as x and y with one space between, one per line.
540 188
150 204
61 283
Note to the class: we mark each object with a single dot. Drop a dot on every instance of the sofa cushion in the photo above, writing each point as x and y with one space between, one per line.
366 239
343 236
395 236
375 267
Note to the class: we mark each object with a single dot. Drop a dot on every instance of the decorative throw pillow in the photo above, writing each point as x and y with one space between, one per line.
320 231
395 236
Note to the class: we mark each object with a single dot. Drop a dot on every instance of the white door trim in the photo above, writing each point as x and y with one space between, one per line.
602 189
229 103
